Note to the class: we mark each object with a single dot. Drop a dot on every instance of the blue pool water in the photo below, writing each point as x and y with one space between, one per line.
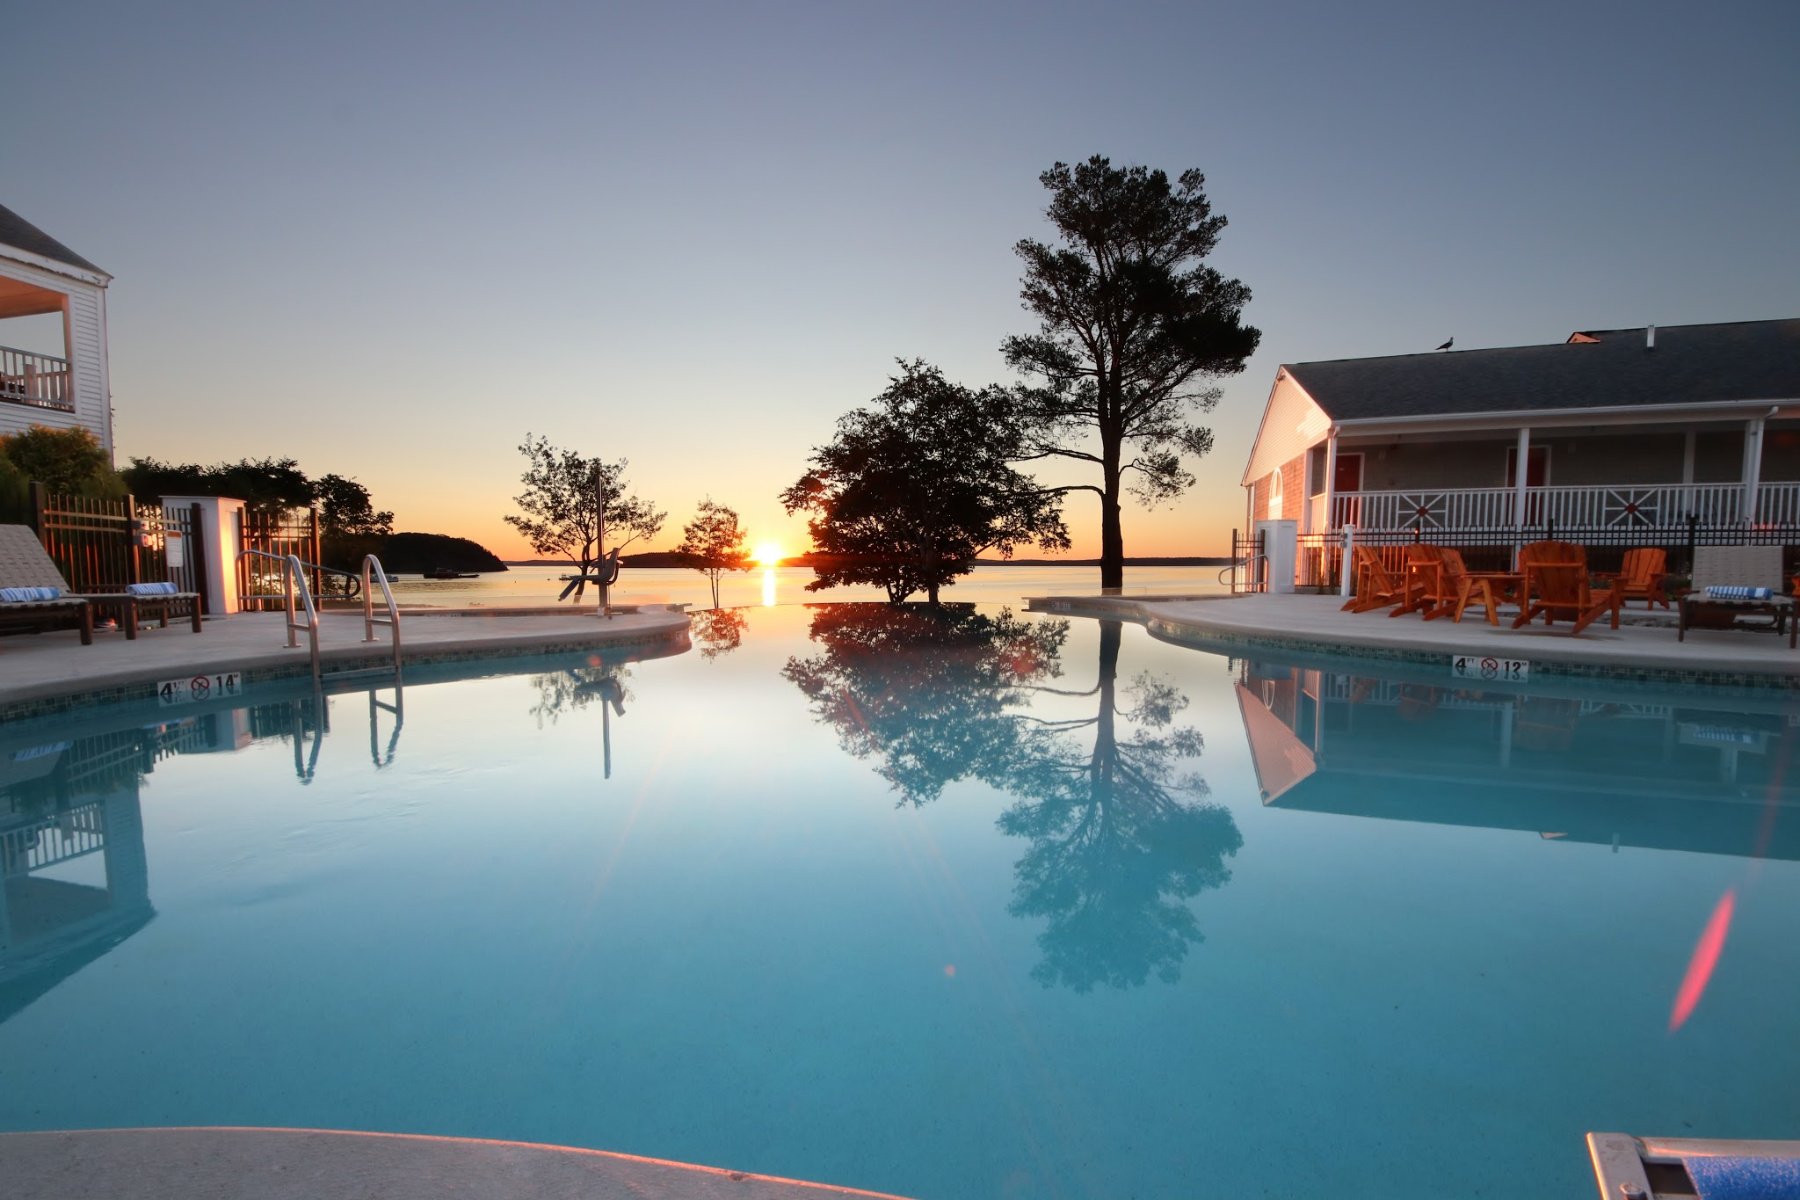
1002 905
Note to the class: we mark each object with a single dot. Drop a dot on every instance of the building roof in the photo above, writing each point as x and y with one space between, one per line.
1602 368
20 234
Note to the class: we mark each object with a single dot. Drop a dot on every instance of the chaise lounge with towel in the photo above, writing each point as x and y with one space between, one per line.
1735 581
28 573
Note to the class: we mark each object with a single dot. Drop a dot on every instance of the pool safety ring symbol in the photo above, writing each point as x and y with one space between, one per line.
1490 669
199 687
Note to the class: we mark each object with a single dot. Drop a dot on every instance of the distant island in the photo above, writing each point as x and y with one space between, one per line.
417 553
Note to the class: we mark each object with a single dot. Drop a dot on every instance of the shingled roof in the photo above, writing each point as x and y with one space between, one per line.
1742 360
20 234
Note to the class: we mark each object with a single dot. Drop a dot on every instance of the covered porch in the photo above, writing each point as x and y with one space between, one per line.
1612 476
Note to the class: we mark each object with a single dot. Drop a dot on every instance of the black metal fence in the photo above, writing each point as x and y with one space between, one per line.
103 545
281 532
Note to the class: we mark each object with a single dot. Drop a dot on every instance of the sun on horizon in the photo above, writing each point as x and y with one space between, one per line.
768 554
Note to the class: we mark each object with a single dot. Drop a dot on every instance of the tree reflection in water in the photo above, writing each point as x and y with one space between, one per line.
932 693
719 630
570 691
1120 836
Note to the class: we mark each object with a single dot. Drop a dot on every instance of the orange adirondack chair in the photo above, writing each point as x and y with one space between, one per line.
1642 574
1424 579
1556 586
1458 588
1376 586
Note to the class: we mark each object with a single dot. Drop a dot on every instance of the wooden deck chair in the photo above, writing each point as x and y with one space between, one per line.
1641 575
43 593
1458 587
1422 584
1556 586
1376 586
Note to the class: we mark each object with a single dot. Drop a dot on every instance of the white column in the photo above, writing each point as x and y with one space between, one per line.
1687 474
219 529
1330 488
1753 440
1520 475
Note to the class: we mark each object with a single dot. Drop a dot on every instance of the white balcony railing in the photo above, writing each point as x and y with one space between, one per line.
1609 506
37 380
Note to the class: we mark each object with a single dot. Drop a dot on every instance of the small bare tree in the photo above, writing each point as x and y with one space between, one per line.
714 544
570 502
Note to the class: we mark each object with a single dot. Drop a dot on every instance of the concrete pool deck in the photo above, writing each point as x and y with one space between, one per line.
39 669
1315 624
309 1164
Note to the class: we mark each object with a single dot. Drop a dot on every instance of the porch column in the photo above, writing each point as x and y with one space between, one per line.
1687 474
1521 472
1330 488
1753 443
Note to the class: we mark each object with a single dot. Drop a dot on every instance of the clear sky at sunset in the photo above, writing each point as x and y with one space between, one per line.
389 240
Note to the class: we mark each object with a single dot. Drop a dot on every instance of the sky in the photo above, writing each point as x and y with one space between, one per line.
392 240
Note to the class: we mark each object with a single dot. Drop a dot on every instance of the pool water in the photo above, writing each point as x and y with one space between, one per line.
990 904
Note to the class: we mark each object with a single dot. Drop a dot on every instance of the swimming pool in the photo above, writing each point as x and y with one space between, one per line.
996 905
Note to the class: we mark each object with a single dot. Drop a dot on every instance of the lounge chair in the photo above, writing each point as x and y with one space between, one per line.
1557 587
43 595
1641 575
1458 588
1423 588
1734 581
1375 585
20 546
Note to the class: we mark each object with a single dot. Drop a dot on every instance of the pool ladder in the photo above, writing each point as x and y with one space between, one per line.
297 597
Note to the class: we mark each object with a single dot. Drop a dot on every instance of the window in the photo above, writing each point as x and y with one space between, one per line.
1274 513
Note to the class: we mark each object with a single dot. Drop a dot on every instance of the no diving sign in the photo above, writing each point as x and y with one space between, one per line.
1489 668
198 687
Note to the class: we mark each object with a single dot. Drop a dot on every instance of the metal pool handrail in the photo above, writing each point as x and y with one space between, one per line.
372 567
294 572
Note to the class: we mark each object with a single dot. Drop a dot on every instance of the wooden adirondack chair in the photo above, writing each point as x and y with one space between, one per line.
1642 574
1423 585
1459 587
1376 586
1556 586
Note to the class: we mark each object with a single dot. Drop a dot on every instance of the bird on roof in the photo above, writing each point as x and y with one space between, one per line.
1448 344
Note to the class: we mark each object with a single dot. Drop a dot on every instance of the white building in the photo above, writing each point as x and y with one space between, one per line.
49 375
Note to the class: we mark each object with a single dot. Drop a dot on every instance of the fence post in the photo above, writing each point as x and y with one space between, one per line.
1263 560
1344 572
40 500
195 545
134 542
1693 531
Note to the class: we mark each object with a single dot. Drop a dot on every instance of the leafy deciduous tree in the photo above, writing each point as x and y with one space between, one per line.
914 487
714 541
1132 324
562 506
67 461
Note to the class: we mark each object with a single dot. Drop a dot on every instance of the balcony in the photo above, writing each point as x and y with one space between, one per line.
1623 507
35 380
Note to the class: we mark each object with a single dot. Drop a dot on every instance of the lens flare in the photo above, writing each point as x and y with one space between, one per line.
1706 957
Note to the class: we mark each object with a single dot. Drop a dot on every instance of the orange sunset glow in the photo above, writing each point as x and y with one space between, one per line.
768 554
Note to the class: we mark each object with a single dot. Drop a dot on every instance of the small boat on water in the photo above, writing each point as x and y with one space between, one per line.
447 573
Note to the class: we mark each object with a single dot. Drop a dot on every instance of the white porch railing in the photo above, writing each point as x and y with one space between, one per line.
35 379
1609 506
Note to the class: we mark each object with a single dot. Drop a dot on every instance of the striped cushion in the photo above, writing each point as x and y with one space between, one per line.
1739 593
151 589
29 595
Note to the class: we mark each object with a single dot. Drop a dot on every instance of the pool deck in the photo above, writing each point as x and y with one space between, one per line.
307 1164
37 668
1643 648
